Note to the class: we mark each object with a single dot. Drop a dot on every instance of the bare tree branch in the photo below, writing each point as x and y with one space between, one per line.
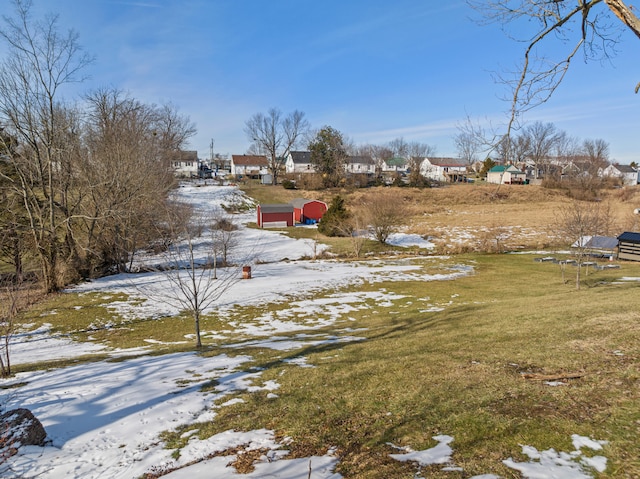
273 135
558 25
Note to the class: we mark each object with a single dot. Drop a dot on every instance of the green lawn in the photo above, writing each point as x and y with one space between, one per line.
454 368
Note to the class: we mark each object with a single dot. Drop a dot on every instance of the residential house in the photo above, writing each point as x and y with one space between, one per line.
252 166
627 174
506 175
299 162
397 165
444 169
185 163
360 165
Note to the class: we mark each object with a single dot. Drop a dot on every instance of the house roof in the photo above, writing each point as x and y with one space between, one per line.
363 160
249 160
302 157
185 155
447 162
625 169
630 237
277 208
300 202
396 161
505 168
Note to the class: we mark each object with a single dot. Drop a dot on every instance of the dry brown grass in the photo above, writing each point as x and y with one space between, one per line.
478 217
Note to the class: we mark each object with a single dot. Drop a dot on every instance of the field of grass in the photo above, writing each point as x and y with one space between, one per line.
469 217
459 372
457 369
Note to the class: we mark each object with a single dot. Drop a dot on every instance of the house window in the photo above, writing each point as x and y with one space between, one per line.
176 164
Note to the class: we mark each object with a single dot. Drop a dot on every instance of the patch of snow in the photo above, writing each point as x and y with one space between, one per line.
439 454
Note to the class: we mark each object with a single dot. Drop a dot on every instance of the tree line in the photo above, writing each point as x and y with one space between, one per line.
83 185
546 148
275 135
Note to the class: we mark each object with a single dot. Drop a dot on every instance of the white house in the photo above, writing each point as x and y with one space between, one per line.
397 164
299 162
254 166
185 163
360 165
444 169
505 175
627 174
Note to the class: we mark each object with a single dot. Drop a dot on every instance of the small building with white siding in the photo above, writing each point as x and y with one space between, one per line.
625 173
360 165
506 175
185 164
444 169
299 162
252 166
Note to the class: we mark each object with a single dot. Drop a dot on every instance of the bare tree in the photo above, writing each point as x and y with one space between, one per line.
467 147
171 129
542 138
14 230
585 26
196 283
8 313
356 227
224 236
38 63
14 298
477 138
378 153
597 151
590 158
399 147
577 222
383 218
417 152
274 135
127 174
513 149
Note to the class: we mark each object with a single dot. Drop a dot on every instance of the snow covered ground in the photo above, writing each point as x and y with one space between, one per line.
103 419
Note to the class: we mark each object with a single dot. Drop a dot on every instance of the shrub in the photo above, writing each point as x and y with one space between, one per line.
289 184
335 220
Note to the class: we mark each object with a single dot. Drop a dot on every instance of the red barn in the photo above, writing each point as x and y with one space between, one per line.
275 216
308 211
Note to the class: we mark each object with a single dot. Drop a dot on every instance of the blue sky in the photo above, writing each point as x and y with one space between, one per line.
375 70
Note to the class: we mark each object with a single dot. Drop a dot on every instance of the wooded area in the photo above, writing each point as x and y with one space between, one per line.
82 187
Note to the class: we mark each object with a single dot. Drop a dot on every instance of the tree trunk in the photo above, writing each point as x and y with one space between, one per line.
625 14
196 316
